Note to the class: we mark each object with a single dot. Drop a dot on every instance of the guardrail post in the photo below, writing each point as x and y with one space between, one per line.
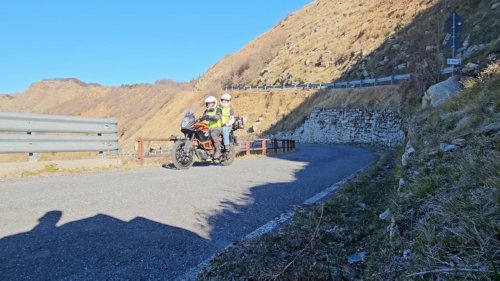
264 147
392 79
347 84
275 145
375 82
32 157
101 153
283 145
247 147
140 151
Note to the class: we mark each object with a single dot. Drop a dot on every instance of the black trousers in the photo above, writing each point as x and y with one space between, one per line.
214 134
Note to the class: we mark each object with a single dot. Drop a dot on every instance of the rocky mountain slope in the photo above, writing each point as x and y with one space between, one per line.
318 43
330 40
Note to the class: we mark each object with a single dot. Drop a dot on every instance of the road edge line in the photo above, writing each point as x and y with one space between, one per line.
193 272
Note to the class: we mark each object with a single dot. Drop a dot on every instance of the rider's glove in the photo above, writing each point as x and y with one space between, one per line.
207 118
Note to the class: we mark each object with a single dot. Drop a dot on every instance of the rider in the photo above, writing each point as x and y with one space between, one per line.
212 117
227 118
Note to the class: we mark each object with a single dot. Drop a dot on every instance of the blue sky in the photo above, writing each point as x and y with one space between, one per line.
123 42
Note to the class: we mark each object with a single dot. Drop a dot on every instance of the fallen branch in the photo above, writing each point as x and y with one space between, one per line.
310 244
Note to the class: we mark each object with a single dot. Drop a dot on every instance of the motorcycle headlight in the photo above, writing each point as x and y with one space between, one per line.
185 122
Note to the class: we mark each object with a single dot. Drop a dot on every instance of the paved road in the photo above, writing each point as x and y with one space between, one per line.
154 223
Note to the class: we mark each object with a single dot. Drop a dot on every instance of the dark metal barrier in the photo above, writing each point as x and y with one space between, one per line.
266 146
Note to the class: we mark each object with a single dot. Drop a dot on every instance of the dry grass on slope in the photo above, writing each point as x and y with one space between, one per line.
318 43
241 67
453 217
345 40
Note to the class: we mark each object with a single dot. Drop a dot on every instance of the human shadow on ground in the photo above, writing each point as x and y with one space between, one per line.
100 248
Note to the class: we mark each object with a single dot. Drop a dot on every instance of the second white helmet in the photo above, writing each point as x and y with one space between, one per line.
225 97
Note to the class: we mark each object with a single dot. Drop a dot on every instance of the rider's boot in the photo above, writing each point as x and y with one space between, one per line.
217 152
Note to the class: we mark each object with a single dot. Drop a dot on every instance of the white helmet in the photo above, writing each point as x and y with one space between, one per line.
225 96
211 99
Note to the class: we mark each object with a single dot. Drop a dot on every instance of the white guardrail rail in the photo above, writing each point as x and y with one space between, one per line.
388 80
38 133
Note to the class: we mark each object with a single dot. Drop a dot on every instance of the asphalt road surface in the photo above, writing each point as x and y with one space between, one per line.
154 223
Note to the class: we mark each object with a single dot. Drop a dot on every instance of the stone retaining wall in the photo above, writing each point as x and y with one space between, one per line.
363 126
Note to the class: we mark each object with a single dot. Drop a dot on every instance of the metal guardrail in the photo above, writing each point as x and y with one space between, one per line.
28 122
47 133
266 146
388 80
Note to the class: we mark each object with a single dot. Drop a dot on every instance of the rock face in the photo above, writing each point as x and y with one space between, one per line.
379 127
406 156
439 93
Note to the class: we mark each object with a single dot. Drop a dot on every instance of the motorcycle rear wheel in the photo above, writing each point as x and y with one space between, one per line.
181 160
229 156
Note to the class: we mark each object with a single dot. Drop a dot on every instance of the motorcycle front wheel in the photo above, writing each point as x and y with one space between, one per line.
181 160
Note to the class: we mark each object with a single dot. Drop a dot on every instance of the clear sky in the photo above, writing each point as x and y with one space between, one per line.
115 42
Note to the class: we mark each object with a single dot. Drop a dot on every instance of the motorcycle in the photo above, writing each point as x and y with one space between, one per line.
198 142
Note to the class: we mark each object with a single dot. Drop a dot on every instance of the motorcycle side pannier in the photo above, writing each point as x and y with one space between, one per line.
239 123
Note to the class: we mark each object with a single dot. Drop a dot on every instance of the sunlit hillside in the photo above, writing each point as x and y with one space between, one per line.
324 41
